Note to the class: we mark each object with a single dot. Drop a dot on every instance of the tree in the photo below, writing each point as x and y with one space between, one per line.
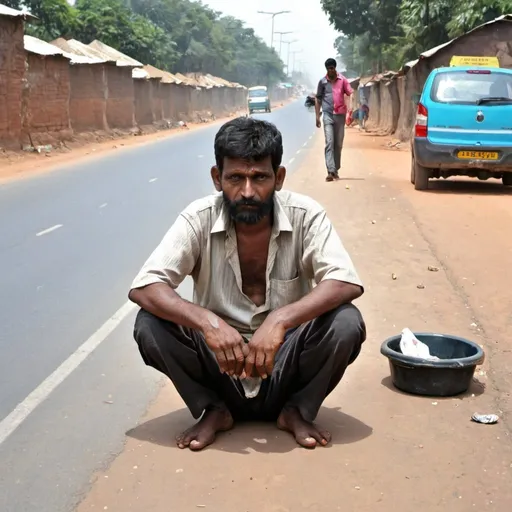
175 35
210 43
384 34
55 17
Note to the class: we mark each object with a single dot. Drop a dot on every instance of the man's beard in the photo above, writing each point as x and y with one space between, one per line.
250 215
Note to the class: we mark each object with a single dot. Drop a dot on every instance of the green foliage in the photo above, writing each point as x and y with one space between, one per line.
383 34
56 18
175 35
210 43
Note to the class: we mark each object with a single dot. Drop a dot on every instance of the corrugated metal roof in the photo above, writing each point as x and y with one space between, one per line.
225 83
432 51
14 13
165 76
199 80
187 81
215 80
121 59
81 53
39 47
140 74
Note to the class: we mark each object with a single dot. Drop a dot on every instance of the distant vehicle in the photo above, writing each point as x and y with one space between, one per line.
257 99
463 125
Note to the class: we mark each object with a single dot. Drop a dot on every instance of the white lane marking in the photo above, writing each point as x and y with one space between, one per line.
103 205
291 161
11 422
152 180
305 144
200 156
310 137
49 230
299 151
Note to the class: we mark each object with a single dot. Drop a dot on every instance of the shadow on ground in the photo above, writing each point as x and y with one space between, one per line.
247 437
473 187
476 388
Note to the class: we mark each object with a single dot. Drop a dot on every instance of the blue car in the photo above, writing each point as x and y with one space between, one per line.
463 125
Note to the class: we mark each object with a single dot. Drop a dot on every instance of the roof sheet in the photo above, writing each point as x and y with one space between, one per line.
165 76
14 13
186 80
81 53
432 51
121 59
39 47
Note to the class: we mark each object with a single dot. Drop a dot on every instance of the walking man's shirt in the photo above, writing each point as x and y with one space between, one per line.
331 92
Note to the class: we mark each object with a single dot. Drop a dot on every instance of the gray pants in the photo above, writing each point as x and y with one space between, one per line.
334 129
308 366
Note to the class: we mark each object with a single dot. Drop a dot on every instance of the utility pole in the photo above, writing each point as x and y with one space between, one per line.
289 43
281 34
295 53
273 14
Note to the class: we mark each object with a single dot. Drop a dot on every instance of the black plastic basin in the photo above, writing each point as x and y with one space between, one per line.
450 376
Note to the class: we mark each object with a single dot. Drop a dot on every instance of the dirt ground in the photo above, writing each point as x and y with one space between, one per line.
390 451
19 164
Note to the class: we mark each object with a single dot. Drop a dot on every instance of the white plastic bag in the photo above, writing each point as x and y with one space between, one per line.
413 347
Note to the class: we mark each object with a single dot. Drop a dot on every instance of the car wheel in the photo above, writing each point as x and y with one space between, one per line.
507 179
421 176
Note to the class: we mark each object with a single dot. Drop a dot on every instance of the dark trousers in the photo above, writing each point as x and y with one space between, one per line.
308 366
334 130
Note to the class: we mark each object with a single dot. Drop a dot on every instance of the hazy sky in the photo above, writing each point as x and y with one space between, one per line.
307 21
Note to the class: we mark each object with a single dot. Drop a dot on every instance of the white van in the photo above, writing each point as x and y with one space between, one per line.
257 99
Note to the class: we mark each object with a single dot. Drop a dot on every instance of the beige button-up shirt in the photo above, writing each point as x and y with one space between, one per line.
304 249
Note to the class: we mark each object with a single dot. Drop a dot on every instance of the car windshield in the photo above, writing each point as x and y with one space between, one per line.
470 87
258 93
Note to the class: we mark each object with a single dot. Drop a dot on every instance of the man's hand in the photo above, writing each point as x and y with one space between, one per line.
263 347
318 123
227 344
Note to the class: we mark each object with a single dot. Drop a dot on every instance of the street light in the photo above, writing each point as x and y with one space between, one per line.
273 14
289 43
295 53
281 40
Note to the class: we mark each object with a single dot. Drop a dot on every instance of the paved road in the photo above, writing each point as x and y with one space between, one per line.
70 243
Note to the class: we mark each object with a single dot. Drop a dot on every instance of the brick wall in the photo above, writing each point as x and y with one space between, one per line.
12 71
45 107
143 112
166 91
156 100
120 97
88 103
183 103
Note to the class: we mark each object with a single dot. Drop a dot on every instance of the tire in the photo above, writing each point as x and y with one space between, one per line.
420 175
507 179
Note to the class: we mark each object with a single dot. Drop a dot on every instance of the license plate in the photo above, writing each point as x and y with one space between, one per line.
477 155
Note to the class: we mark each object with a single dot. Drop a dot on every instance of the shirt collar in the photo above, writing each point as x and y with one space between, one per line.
282 222
339 76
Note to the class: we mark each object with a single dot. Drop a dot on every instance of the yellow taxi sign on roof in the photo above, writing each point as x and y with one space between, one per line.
489 62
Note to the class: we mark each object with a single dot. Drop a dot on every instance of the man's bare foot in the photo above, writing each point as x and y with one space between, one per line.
305 433
203 432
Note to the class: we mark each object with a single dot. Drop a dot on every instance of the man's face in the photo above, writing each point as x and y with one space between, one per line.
248 188
331 72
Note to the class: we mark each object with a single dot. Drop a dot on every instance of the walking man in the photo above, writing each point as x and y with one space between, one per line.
258 341
330 97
